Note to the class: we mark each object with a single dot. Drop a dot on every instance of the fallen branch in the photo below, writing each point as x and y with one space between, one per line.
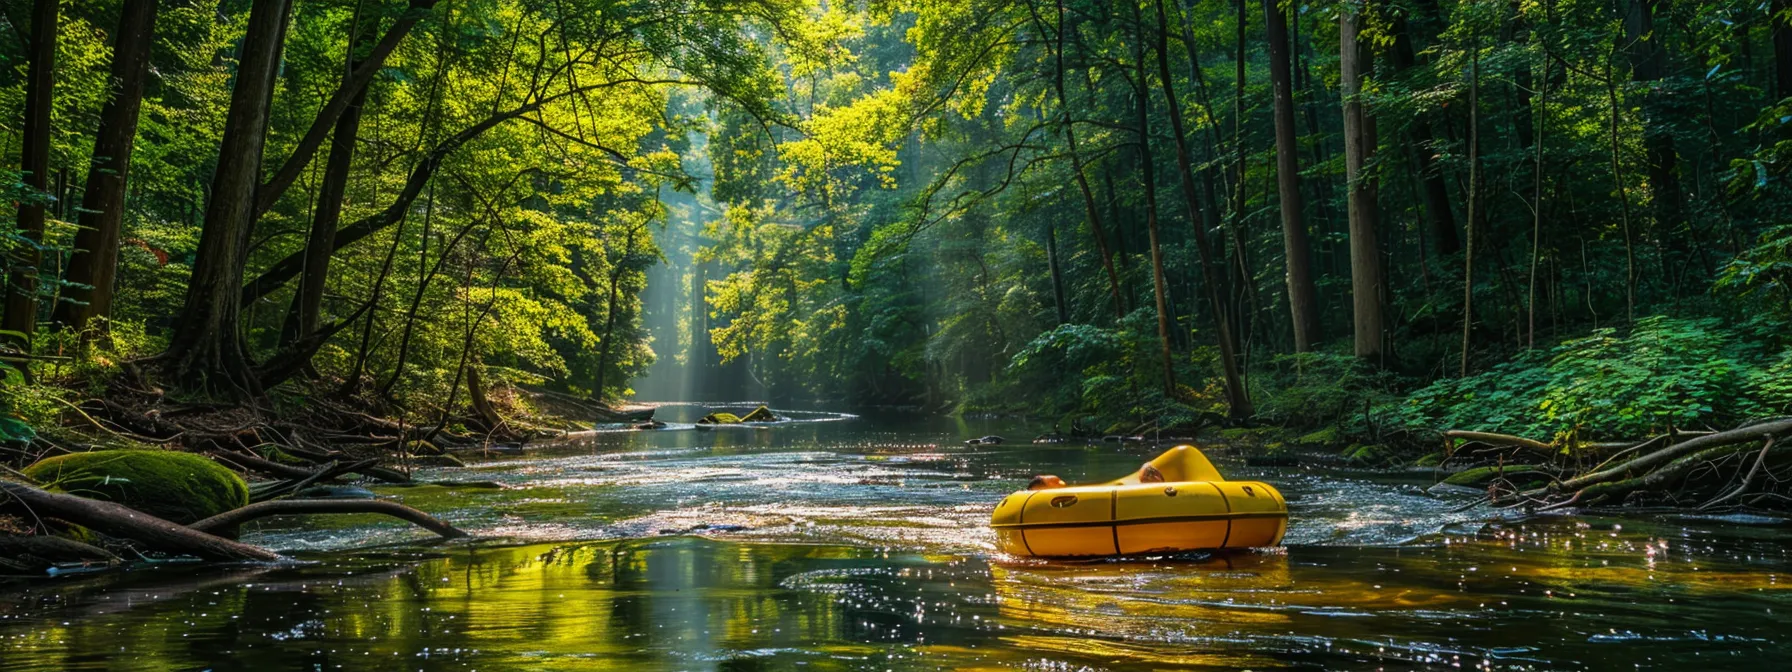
126 523
1501 440
1755 432
230 519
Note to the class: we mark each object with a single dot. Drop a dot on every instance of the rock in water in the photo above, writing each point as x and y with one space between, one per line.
720 418
179 487
991 440
761 414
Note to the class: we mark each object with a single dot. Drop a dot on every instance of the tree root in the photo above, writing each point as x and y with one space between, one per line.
230 519
1675 468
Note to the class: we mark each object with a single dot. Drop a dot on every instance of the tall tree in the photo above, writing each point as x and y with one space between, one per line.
206 351
1366 275
1646 69
34 164
1076 166
1474 196
1238 401
1303 302
327 213
1433 192
93 265
1148 180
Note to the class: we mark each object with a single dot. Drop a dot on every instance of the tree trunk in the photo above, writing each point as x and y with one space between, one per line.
1542 132
34 166
603 357
1051 263
320 243
1433 192
1646 68
206 351
1238 400
1366 276
1082 181
1303 300
94 261
1148 177
1474 193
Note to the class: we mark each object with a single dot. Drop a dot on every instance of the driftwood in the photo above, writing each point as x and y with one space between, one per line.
230 519
125 523
1681 467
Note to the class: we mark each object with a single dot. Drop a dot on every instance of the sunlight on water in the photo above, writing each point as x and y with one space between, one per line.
864 545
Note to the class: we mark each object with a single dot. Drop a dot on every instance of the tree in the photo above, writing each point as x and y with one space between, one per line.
206 351
1303 302
327 214
1148 182
34 163
1237 398
93 265
1366 281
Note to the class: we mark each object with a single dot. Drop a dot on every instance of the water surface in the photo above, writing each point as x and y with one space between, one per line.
860 544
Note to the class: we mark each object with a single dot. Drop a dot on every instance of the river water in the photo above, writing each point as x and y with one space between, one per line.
842 543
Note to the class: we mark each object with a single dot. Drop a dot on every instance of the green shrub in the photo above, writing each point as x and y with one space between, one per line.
1666 372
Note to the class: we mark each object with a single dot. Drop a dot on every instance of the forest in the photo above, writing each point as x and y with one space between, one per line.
789 334
1538 233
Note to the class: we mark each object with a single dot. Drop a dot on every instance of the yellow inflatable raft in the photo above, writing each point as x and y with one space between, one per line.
1192 508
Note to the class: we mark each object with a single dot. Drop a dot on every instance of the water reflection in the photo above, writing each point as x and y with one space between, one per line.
687 603
860 546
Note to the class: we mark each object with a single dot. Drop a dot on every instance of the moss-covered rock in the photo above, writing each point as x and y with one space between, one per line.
1324 437
761 414
720 418
1430 460
1522 475
1369 455
181 487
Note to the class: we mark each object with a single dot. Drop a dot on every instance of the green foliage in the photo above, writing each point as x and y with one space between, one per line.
1320 389
180 487
1664 372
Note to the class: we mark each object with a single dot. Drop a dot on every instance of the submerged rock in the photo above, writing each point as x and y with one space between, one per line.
179 487
991 440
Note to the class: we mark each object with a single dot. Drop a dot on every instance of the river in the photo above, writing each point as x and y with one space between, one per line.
842 543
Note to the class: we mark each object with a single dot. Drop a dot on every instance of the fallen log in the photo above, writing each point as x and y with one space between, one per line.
230 519
126 523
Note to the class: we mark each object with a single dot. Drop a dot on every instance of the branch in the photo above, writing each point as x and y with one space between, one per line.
284 507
